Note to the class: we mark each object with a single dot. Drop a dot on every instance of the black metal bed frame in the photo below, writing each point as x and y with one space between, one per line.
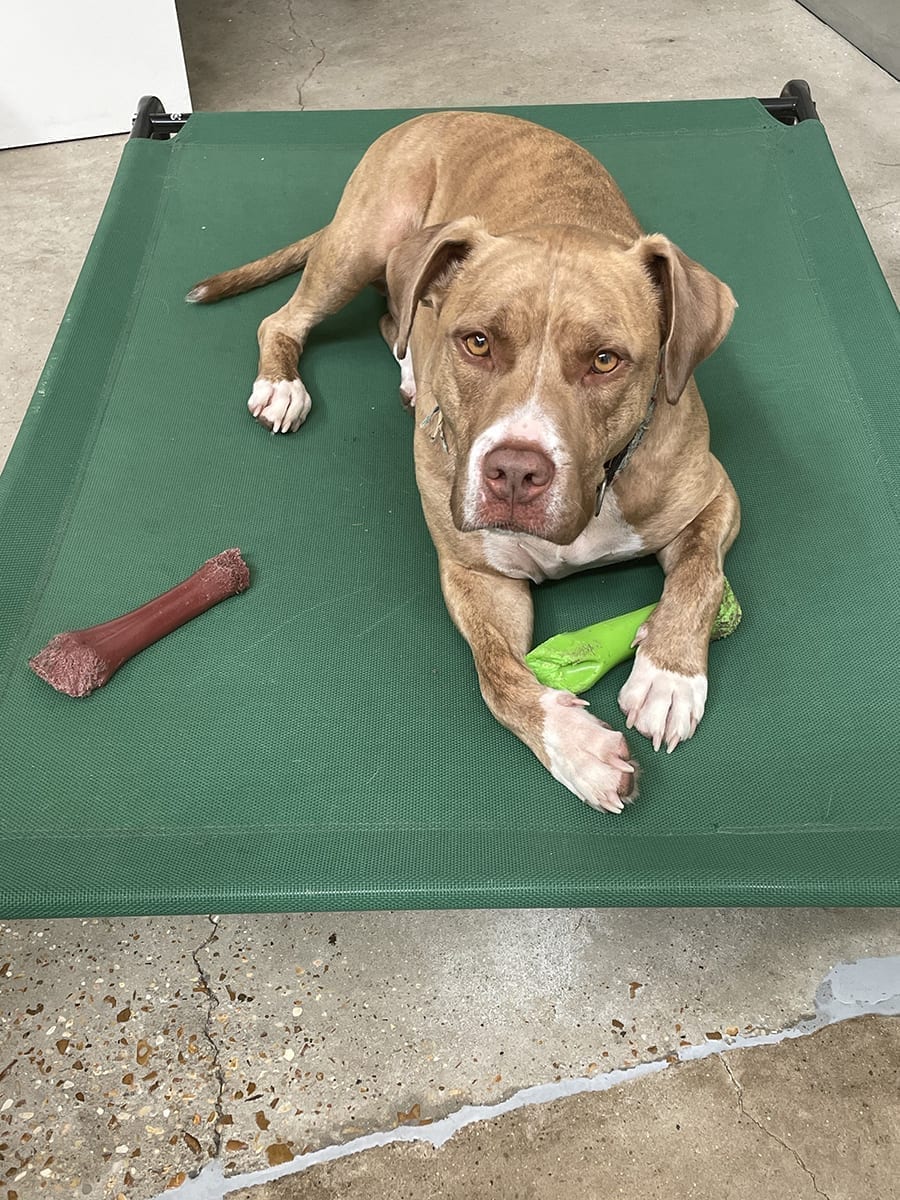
795 104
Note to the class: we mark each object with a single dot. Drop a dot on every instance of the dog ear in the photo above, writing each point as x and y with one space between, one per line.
423 261
697 309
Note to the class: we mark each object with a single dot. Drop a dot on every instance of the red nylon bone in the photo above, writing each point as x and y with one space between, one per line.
78 662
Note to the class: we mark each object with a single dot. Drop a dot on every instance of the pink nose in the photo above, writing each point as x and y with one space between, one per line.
517 474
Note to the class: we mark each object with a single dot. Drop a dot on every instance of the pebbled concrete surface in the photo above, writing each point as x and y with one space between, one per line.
466 1008
778 1121
133 1053
264 1037
107 1074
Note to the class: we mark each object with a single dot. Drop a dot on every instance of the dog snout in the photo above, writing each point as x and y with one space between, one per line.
517 474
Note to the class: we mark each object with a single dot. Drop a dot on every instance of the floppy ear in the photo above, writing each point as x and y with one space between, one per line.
697 309
426 260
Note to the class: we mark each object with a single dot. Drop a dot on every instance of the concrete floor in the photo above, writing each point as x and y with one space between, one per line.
136 1052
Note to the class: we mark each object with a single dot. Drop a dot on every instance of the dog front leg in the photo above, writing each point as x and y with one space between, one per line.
494 615
336 271
665 695
388 327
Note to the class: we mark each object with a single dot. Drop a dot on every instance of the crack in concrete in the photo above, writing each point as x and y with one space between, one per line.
292 25
309 74
875 207
211 1005
742 1109
292 18
849 990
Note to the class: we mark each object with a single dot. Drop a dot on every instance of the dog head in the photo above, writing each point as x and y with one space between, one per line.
547 346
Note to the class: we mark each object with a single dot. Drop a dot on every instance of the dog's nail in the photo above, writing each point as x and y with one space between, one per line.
670 746
657 741
623 765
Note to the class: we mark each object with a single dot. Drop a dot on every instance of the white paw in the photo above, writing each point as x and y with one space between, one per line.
585 754
407 378
662 705
282 406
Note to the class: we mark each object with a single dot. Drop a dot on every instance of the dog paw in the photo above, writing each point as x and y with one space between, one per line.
662 705
281 406
585 755
407 380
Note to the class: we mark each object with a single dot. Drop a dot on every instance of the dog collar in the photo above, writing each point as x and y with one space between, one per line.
620 461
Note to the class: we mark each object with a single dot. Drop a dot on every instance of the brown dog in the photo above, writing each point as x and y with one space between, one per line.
548 348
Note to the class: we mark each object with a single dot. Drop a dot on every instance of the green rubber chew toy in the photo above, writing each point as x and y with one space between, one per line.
575 661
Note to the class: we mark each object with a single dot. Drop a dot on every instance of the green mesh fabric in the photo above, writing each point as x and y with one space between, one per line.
319 742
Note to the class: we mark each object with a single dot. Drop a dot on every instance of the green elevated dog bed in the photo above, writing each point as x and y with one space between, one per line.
319 742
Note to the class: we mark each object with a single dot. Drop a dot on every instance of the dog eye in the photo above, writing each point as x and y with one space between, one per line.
604 362
477 344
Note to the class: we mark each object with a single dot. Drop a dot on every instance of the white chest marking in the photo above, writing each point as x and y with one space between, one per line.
608 539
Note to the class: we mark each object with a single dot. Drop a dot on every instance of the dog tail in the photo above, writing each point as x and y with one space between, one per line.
253 275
